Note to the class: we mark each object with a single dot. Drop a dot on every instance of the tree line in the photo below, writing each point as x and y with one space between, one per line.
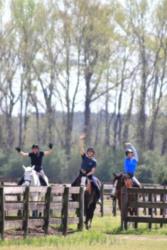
104 58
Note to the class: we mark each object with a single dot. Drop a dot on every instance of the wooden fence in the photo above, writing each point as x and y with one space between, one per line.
149 204
18 209
108 206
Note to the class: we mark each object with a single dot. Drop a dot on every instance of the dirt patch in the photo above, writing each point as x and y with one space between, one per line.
140 238
33 232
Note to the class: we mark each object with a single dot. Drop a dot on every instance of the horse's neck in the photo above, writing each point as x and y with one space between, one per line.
35 180
89 187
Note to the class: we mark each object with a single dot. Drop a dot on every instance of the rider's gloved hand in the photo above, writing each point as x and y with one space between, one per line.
50 145
18 149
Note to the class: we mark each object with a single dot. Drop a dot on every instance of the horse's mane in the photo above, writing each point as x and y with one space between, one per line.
120 175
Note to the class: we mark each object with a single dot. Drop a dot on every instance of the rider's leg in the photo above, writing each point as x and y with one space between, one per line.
135 180
113 192
42 178
96 182
98 187
83 181
89 186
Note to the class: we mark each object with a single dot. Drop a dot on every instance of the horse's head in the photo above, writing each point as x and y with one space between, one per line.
122 180
28 175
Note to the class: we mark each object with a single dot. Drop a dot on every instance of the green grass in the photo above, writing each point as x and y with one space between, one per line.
105 234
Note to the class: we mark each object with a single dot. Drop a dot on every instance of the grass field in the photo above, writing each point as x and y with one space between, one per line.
105 234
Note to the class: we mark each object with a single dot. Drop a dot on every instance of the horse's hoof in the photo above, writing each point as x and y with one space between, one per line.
112 196
87 226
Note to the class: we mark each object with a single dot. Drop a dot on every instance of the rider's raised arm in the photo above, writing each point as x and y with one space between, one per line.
81 144
24 154
48 152
135 153
21 152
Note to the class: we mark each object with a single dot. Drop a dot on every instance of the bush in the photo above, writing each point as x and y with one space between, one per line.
152 169
109 162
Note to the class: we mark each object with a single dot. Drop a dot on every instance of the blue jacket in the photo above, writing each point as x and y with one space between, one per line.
130 165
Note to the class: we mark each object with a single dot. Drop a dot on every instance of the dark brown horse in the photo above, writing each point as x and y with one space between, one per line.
123 180
90 201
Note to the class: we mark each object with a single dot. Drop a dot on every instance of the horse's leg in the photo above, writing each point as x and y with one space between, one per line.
86 208
35 199
91 214
91 209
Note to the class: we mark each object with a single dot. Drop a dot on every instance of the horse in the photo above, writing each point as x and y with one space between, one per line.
91 198
122 180
31 178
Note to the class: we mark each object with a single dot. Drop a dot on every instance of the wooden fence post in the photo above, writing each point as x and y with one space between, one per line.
81 209
26 211
64 224
2 213
47 209
102 200
136 211
155 200
150 211
124 208
163 211
144 200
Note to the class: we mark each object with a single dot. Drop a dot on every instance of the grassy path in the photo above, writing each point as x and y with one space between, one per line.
105 234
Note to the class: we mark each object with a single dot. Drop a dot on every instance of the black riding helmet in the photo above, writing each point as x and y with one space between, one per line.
91 149
35 146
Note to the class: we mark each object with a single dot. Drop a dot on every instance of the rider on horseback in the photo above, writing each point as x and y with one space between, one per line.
88 165
36 157
131 162
130 166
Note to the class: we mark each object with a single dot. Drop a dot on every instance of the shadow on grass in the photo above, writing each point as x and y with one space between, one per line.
139 231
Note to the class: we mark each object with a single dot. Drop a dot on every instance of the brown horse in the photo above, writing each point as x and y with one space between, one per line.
123 180
90 200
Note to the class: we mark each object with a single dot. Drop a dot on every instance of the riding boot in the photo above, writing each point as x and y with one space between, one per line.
21 181
42 181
